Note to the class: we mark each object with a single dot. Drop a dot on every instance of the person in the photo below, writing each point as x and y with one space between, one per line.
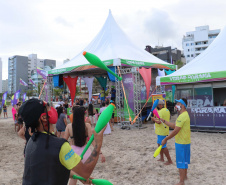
66 105
162 131
16 123
96 117
102 95
77 102
0 109
182 135
81 102
49 159
5 111
108 128
14 112
224 104
79 132
113 93
61 123
91 113
85 103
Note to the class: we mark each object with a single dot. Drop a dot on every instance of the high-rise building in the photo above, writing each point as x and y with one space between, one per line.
25 68
0 75
195 42
167 54
17 68
4 85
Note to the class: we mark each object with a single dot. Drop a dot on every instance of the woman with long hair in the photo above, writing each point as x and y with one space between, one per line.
91 113
79 132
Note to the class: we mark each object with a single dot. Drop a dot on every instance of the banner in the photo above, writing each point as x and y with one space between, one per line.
16 97
71 83
30 80
12 100
23 82
128 86
102 81
42 72
146 74
24 97
159 96
4 96
193 78
89 83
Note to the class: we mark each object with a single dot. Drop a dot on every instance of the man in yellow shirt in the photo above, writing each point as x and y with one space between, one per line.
182 135
48 159
162 131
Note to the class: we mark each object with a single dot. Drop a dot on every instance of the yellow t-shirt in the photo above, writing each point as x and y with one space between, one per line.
164 113
68 157
184 135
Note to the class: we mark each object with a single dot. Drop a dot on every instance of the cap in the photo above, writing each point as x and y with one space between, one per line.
182 102
31 111
161 102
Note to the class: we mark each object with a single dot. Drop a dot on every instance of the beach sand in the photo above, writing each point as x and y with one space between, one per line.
129 158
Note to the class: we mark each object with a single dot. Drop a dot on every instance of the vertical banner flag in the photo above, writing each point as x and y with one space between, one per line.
24 97
30 80
4 98
146 74
23 82
89 83
42 72
12 100
16 97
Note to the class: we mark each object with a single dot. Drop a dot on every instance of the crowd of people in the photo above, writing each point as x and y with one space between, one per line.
61 133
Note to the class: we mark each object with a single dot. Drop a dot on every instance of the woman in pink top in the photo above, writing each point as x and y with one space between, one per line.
79 132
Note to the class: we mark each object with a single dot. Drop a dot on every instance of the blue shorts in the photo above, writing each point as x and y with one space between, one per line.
102 98
159 140
182 155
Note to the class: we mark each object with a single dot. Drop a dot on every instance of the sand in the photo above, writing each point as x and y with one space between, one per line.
129 158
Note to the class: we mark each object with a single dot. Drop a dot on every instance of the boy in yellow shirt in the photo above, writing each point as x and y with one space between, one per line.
162 131
182 135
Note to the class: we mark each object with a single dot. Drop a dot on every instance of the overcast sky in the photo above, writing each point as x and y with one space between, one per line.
59 29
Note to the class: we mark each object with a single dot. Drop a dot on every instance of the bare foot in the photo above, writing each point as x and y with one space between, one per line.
168 163
180 183
162 160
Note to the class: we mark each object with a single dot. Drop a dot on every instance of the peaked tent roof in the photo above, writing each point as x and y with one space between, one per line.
208 66
110 44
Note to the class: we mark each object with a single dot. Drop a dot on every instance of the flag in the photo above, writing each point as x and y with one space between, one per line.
16 97
42 72
30 80
12 100
24 97
23 82
4 96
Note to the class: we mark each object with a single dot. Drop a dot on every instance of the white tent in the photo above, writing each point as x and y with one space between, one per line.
113 47
208 66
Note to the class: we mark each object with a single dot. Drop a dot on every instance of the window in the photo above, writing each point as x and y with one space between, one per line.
219 95
206 42
188 49
212 36
191 55
192 44
198 43
188 55
187 44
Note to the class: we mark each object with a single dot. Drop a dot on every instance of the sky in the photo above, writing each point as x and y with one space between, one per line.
56 29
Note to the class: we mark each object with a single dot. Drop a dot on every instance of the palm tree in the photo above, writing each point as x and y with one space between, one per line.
179 64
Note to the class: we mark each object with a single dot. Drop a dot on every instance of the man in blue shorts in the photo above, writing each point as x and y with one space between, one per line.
182 135
162 131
